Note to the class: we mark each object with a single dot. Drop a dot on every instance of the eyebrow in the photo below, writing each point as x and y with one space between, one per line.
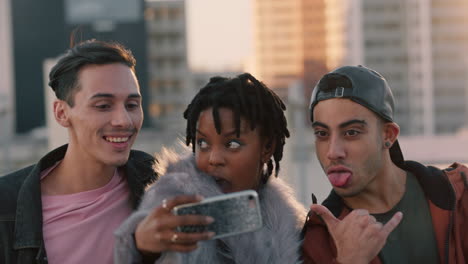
108 95
199 132
353 122
228 134
342 125
319 124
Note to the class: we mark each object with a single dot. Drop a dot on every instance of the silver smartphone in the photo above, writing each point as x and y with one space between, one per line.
233 214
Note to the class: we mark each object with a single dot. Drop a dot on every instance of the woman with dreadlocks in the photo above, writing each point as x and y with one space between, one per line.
237 130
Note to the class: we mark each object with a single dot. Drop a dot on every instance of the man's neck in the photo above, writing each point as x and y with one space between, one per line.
76 173
383 193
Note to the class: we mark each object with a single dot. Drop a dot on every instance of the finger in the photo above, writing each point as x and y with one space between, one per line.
188 220
359 212
175 242
168 204
371 219
366 220
329 219
392 223
167 238
193 238
170 238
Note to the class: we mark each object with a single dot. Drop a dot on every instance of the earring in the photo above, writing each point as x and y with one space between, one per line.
264 177
388 144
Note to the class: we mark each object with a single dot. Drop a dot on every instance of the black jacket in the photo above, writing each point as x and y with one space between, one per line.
21 238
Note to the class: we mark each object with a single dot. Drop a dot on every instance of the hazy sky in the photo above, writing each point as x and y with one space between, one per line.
219 33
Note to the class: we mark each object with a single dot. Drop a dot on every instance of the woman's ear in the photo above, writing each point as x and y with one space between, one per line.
61 112
268 150
391 131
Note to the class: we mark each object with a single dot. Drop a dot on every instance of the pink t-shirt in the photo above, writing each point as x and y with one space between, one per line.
79 227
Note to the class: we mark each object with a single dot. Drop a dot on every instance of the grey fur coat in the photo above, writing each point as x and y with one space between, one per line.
278 241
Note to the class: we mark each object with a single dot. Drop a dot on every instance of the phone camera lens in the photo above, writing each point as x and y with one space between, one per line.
251 197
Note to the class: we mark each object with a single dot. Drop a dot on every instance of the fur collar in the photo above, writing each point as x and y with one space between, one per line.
277 242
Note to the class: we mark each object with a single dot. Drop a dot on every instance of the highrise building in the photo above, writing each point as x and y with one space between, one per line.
169 82
396 42
449 37
42 30
289 42
421 48
343 33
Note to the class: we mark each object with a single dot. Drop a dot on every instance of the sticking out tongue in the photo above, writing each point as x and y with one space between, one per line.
339 178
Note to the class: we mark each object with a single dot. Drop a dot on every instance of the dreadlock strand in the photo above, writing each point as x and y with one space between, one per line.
259 98
217 121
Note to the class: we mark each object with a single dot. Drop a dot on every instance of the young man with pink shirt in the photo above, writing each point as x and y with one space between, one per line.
65 208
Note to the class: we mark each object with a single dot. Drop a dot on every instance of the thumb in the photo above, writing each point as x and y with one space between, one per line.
329 219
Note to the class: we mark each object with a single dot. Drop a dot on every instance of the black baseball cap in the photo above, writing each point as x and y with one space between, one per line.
363 86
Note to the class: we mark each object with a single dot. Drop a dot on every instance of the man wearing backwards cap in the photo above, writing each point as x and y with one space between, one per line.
382 209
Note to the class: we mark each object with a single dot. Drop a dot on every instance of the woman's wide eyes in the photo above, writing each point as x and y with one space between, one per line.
234 144
202 143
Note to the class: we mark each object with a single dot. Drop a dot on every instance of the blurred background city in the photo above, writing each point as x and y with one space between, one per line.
420 46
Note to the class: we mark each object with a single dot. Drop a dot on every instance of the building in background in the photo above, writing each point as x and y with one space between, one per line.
420 47
200 78
343 33
172 83
449 28
289 42
169 81
42 30
396 43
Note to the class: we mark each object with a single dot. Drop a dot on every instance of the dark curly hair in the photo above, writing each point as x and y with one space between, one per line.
248 98
63 78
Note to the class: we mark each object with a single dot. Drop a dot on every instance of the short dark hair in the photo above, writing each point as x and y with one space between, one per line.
248 98
63 78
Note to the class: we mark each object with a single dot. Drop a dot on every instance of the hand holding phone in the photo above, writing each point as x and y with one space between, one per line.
233 213
155 233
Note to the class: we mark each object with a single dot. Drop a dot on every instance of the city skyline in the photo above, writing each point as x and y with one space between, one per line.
220 42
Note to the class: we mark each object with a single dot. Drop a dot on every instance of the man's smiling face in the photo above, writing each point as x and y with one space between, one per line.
107 115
